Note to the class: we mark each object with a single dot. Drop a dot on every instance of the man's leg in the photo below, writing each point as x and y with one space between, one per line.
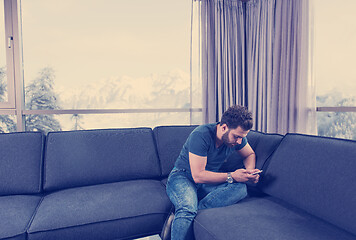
183 194
221 195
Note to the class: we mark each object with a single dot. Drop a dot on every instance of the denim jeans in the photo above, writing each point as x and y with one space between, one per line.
189 197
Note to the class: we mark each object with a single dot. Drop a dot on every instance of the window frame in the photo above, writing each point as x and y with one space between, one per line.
9 105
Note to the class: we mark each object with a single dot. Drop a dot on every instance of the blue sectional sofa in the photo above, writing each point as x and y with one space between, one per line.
110 184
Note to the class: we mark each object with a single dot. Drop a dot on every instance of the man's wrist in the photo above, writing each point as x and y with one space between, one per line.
229 178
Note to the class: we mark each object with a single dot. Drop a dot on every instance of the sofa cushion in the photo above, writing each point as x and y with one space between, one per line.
81 158
170 140
316 174
122 210
20 237
263 218
263 144
20 163
16 213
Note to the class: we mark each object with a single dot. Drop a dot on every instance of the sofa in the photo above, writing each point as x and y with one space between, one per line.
110 184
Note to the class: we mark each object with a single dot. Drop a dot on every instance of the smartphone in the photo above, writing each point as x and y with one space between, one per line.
256 172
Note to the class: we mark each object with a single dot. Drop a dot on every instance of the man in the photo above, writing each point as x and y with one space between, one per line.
195 182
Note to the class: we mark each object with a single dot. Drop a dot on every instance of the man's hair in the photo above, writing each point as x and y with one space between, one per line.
237 116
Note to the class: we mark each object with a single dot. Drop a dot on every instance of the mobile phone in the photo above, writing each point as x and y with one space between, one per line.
256 172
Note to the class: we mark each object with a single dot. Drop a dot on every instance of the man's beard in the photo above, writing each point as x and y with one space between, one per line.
225 138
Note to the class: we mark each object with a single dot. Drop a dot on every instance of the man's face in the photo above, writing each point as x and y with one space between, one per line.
232 137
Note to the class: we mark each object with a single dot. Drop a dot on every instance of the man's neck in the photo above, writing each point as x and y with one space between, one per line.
218 137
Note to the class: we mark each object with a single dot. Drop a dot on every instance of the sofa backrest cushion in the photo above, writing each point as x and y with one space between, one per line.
81 158
21 163
170 140
262 143
316 174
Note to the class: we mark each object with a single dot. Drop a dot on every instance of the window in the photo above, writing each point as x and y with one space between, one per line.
89 64
335 73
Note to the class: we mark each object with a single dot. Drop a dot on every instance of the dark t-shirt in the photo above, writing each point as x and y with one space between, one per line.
202 143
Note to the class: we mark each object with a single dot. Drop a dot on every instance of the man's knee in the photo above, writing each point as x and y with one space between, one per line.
240 189
186 211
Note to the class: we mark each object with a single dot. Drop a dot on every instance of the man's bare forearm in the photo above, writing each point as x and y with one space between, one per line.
209 177
250 161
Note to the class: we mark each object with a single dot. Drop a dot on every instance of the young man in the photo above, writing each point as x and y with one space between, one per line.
195 182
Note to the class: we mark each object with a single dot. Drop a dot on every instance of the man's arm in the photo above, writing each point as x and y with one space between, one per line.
200 175
249 161
249 157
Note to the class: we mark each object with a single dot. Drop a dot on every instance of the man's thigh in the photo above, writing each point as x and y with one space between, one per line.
182 191
221 195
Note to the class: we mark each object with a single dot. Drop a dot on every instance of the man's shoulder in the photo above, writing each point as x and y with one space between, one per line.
210 127
205 131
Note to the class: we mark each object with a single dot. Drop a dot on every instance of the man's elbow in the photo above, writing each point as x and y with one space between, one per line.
197 178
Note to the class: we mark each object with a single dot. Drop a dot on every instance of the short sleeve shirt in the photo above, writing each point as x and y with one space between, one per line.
202 143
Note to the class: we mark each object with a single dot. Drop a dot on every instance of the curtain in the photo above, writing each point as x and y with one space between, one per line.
223 56
258 54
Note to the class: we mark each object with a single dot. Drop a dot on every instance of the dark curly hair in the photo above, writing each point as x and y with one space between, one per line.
236 116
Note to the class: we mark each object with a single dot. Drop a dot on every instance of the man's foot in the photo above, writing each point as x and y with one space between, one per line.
166 230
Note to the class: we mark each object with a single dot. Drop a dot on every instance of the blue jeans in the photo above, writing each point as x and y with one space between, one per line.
189 197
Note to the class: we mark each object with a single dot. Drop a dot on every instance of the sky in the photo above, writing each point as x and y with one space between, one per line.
86 41
335 48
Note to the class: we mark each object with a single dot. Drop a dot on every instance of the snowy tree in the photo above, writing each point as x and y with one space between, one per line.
40 96
6 123
337 124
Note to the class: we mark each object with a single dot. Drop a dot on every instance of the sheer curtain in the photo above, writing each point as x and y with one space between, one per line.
257 54
223 56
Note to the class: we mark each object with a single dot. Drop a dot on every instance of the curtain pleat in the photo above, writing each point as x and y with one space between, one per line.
256 54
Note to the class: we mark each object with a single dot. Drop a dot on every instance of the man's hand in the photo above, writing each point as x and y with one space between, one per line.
243 175
254 178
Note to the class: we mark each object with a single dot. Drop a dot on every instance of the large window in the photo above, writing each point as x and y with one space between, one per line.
93 64
335 72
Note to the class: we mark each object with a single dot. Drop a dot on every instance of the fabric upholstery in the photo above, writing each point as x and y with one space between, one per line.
262 143
316 174
263 218
108 211
164 181
19 237
15 215
170 140
81 158
20 163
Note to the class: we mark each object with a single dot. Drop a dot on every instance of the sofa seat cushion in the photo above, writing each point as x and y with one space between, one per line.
109 211
263 218
16 213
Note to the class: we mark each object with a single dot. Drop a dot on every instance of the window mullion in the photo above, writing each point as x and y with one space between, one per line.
17 64
10 104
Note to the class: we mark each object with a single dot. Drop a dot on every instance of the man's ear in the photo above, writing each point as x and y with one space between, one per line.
224 128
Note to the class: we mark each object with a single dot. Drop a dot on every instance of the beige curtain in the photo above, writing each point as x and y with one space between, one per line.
258 54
